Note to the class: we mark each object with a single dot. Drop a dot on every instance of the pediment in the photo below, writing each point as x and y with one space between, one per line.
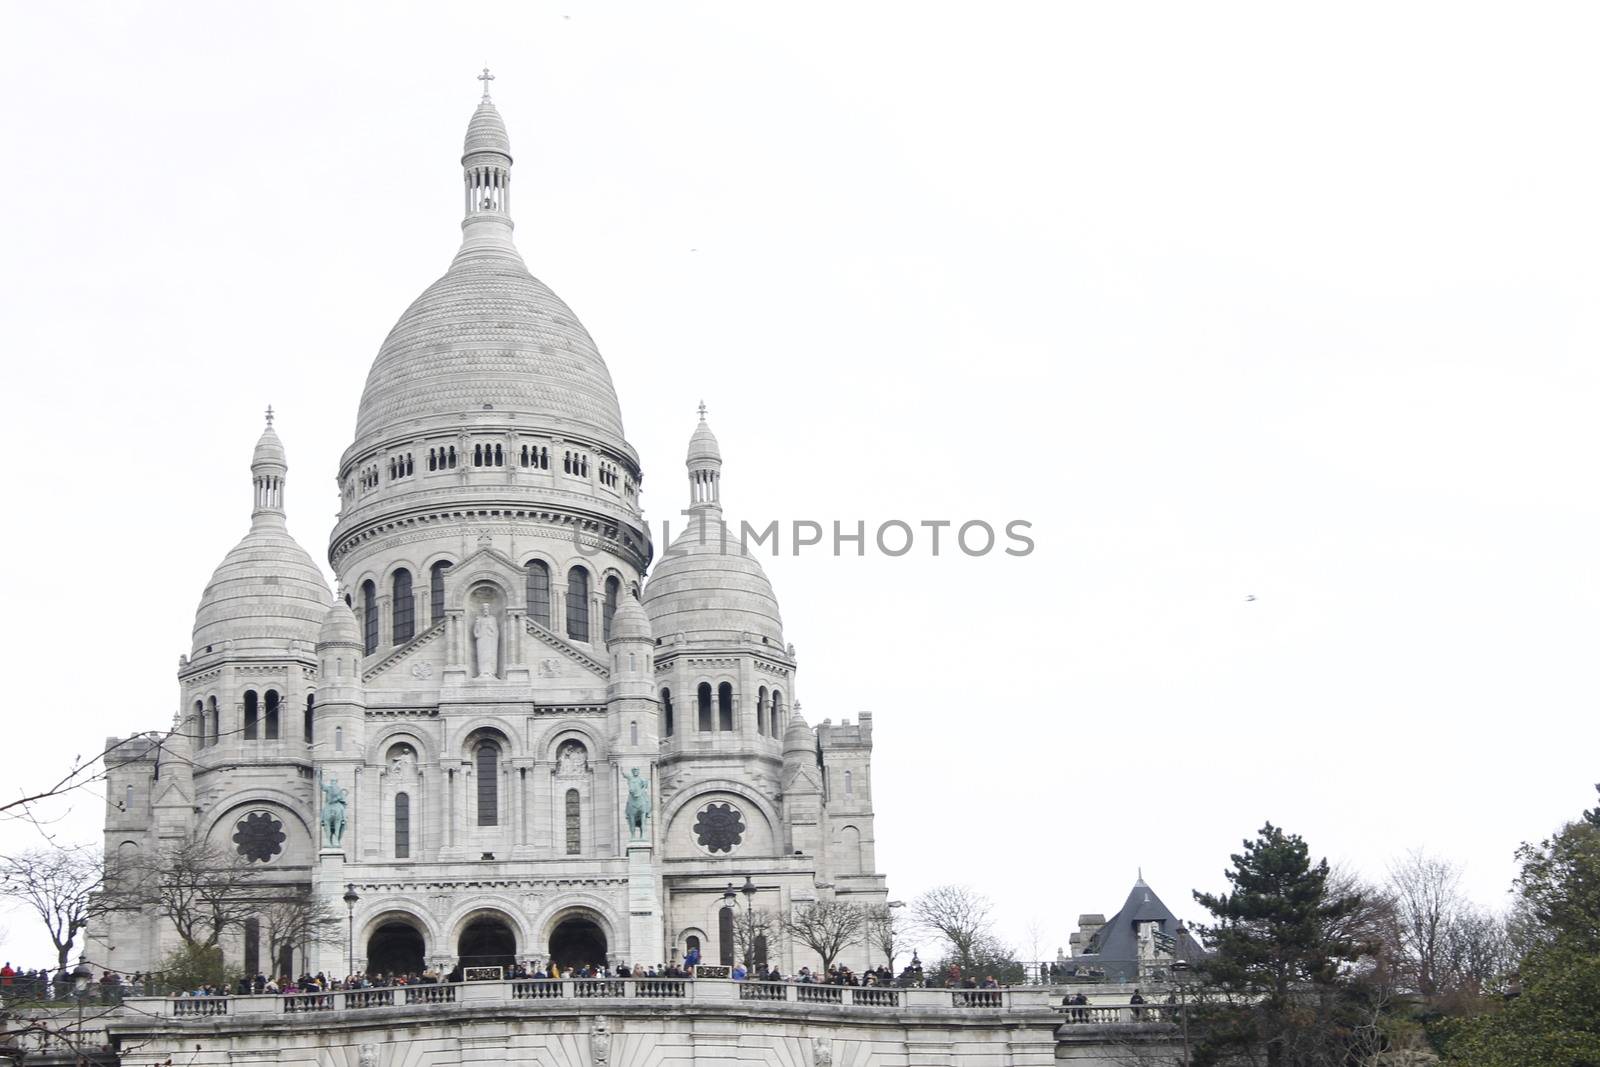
170 794
419 659
564 650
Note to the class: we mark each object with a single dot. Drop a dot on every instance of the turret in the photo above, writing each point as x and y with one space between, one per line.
802 786
340 710
705 470
630 691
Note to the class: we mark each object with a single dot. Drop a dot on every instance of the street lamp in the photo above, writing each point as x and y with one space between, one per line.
730 901
350 898
82 975
1180 978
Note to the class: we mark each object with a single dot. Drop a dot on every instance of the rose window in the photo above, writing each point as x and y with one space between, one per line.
259 836
719 827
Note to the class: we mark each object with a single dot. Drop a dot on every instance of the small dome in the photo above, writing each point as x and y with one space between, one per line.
707 586
703 444
269 450
265 594
339 626
797 737
487 131
630 623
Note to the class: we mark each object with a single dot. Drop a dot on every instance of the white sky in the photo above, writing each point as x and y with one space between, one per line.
1226 299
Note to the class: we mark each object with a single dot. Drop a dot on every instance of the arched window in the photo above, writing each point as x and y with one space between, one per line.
252 714
402 826
200 724
311 703
539 592
724 706
405 607
578 604
849 784
338 738
488 761
369 616
271 731
436 591
704 718
633 732
609 609
574 838
776 719
666 712
216 723
761 712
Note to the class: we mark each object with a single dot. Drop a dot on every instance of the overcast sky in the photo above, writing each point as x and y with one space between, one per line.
1228 301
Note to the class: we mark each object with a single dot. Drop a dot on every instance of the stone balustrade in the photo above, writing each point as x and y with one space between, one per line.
868 999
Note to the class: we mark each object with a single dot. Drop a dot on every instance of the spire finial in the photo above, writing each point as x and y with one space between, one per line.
702 411
486 78
269 414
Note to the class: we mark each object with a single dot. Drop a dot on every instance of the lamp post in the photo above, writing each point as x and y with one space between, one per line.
890 939
350 898
730 900
1180 978
82 975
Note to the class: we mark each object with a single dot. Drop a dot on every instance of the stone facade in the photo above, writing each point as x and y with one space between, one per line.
468 710
706 1022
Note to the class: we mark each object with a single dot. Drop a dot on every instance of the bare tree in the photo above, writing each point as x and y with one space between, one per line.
752 932
60 885
959 915
885 930
299 921
1427 900
827 928
1477 952
203 890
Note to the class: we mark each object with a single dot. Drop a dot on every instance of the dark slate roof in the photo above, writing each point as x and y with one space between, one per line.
1115 946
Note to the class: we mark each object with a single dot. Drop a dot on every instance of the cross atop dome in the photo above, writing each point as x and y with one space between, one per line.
269 414
705 465
486 78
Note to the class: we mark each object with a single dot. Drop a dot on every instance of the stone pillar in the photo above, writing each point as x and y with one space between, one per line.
332 957
645 938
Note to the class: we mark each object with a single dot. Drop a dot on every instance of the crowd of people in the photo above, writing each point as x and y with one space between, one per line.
40 985
25 985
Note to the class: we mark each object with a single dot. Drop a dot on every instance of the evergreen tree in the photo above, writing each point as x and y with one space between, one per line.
1281 987
1551 1016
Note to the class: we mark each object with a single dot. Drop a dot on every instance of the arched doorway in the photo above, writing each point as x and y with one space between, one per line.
578 941
395 948
487 942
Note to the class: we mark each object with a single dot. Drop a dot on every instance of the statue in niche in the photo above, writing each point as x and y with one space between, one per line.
638 809
402 759
572 758
486 636
334 800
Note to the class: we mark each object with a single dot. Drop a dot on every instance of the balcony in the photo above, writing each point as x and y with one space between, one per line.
581 994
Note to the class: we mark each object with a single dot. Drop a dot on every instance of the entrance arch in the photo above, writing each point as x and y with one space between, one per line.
395 948
487 941
578 941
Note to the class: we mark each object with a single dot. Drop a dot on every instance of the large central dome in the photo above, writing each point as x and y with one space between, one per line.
489 335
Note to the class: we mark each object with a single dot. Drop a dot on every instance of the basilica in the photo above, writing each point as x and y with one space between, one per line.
500 740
